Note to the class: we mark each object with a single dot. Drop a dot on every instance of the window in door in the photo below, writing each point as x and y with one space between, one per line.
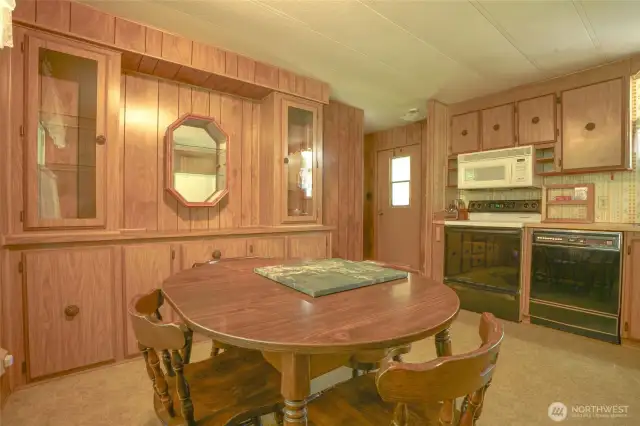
400 181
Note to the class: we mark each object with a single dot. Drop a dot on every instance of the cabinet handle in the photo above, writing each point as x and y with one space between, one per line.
464 132
286 160
101 140
590 126
535 120
71 311
250 248
496 127
217 254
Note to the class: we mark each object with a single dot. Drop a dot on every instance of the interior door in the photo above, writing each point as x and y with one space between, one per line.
399 205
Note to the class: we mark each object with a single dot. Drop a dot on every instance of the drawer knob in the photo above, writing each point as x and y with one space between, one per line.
100 140
216 254
496 127
464 133
535 120
71 311
590 126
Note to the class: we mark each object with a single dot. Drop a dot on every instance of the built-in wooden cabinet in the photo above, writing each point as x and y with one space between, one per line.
66 130
630 323
144 268
537 120
465 133
594 127
203 251
290 161
498 127
69 308
309 246
269 247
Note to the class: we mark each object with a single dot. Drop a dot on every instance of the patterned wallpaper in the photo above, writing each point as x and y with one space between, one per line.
617 193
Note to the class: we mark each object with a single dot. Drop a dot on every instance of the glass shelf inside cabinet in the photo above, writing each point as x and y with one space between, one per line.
300 162
66 152
198 149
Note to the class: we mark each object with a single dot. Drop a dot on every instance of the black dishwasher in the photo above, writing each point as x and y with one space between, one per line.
575 282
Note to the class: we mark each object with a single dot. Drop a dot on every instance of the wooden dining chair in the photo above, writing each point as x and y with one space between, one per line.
415 394
235 387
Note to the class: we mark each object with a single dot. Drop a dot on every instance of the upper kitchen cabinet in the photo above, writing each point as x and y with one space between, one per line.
537 120
70 105
291 160
594 127
498 127
465 136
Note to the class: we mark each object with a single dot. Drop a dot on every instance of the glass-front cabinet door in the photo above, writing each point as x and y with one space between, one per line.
65 134
301 166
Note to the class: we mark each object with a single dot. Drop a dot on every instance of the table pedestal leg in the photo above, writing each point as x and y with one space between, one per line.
296 383
443 343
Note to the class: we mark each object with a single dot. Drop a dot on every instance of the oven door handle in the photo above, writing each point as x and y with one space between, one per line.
514 231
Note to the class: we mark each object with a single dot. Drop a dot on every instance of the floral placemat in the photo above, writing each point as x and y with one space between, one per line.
327 276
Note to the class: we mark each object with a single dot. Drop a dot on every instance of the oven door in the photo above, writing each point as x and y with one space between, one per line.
483 266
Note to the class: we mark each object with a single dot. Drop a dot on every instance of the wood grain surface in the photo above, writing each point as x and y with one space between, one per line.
230 303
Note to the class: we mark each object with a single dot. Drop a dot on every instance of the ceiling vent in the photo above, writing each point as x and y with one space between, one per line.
414 114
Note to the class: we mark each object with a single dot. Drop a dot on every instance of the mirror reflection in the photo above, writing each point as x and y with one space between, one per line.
199 161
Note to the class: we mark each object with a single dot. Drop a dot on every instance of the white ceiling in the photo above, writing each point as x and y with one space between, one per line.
387 56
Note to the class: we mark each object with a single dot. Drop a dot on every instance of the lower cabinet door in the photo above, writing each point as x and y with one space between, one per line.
145 267
268 247
70 304
310 246
203 251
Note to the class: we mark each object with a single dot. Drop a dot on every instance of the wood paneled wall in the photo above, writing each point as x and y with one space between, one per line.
148 106
343 168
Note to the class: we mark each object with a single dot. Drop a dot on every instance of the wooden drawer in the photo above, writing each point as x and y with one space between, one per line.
270 247
310 246
202 251
498 127
537 120
465 136
70 308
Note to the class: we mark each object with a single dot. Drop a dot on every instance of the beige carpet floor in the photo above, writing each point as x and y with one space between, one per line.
537 366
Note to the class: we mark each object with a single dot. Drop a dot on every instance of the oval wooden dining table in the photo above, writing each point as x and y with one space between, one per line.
229 303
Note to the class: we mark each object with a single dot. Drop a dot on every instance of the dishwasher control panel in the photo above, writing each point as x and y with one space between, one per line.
593 240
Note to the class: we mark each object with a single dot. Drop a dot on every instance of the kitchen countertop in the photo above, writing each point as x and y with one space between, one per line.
599 226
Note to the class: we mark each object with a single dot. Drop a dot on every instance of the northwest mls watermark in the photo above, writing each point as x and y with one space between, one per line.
558 411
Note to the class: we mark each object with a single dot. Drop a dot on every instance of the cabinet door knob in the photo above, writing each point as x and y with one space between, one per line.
71 311
535 120
101 140
217 254
286 160
464 132
496 127
590 126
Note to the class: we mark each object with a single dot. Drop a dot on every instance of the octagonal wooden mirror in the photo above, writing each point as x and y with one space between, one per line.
197 156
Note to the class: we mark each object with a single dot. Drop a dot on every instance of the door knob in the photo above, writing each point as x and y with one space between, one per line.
380 213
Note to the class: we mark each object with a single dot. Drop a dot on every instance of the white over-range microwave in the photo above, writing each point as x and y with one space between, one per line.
500 168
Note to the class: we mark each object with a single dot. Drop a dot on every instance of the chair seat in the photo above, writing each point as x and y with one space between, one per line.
236 385
356 402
